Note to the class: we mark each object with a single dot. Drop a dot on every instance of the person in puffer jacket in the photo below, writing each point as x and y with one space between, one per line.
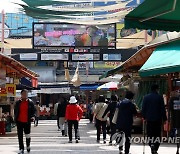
73 115
99 110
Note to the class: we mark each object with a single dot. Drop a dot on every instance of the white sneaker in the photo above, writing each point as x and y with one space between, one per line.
21 151
28 149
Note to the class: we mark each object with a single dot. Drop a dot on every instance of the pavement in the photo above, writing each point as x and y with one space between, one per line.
46 139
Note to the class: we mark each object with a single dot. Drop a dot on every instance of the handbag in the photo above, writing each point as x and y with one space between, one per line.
114 120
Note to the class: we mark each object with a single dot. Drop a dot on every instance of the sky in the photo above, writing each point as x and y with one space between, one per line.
8 6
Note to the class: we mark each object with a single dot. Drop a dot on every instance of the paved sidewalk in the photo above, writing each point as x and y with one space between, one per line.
47 140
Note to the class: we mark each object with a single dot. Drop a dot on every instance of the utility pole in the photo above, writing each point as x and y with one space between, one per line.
2 30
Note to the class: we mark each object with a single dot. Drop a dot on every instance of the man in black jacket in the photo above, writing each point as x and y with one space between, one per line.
24 112
111 109
153 111
125 119
61 112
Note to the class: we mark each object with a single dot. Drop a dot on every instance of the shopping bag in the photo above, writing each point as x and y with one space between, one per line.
114 120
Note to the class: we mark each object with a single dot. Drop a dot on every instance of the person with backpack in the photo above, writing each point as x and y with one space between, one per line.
111 110
61 111
99 110
73 115
24 112
126 111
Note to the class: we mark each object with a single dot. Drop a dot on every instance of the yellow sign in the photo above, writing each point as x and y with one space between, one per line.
100 65
9 90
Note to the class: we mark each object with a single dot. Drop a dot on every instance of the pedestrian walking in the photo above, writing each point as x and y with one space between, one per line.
153 111
55 113
111 110
90 111
24 112
61 112
37 107
73 115
99 110
126 111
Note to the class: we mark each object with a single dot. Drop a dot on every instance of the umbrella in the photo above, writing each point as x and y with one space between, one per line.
109 86
155 15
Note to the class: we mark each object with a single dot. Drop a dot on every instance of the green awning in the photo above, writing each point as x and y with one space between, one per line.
165 59
155 15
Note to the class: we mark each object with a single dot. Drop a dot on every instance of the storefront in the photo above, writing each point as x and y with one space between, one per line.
11 73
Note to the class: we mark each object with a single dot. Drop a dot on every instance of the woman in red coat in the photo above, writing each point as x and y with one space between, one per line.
73 115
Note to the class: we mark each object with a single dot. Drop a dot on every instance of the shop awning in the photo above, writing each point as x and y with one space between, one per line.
16 69
89 87
135 62
164 60
155 15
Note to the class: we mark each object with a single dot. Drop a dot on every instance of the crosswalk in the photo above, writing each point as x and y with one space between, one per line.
46 139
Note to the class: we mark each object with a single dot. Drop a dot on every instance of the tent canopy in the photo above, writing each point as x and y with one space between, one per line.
155 15
164 60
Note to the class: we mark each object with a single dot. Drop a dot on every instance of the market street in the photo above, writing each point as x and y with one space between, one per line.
47 140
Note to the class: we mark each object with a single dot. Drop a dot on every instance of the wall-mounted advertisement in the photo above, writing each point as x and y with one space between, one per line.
112 57
84 57
72 35
54 57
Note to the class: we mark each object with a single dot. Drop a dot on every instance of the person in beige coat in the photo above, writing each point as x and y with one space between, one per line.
99 110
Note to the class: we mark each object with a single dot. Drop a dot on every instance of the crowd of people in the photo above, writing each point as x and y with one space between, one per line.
118 113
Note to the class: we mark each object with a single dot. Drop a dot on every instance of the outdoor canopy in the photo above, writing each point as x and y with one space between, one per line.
155 15
164 60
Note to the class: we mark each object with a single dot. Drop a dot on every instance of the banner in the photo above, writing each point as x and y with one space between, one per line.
76 78
9 90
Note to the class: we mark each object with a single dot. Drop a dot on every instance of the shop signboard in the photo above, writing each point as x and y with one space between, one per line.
55 57
112 57
29 56
9 90
85 57
55 90
106 65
